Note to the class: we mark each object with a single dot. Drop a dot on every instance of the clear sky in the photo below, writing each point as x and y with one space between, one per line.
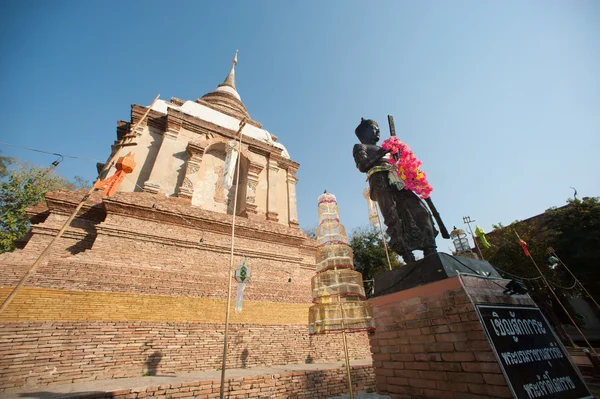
499 99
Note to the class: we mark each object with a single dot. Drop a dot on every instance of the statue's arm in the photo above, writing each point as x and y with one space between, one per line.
363 162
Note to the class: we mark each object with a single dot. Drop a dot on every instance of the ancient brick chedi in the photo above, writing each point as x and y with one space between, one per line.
137 284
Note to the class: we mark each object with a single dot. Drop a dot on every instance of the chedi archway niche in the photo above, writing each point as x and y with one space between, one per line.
210 191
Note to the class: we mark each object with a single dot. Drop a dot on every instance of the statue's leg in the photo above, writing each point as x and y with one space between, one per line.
408 257
387 208
429 250
419 223
387 205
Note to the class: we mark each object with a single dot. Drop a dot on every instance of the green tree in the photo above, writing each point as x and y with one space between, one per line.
574 233
577 240
506 253
508 257
24 185
369 254
311 232
79 183
4 163
572 230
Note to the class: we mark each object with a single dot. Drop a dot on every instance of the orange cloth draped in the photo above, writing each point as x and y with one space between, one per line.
125 165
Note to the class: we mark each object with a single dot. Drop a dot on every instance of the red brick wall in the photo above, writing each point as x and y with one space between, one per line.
139 254
317 384
429 342
39 353
208 278
141 249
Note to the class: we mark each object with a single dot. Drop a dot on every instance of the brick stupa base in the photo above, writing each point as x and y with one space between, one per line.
429 342
138 285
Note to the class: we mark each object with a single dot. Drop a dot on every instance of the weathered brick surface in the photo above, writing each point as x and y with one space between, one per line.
39 353
429 342
39 304
132 247
139 281
317 384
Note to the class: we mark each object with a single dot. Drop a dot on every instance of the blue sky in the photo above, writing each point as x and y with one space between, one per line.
500 100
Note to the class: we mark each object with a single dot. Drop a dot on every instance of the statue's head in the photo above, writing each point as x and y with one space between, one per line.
368 131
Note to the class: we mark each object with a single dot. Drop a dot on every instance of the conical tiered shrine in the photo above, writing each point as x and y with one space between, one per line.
337 290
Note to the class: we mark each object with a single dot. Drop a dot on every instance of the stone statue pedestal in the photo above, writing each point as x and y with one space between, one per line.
435 267
437 340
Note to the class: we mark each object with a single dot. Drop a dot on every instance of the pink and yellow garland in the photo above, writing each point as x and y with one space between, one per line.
407 167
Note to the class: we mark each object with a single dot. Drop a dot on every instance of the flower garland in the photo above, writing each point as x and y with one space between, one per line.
407 166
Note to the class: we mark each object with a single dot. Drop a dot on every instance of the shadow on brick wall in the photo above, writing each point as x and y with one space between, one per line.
152 363
244 357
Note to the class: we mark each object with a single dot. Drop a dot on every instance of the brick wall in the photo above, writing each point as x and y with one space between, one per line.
136 251
39 353
207 278
35 304
429 342
148 293
317 384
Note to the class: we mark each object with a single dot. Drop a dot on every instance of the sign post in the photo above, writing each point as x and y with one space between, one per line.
532 358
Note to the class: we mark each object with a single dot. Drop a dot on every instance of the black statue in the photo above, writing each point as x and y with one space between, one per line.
409 223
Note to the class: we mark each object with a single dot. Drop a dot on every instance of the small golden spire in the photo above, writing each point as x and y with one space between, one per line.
230 79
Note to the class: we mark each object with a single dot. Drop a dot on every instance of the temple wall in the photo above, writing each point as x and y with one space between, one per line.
282 197
169 169
74 274
262 190
138 282
162 154
78 238
148 290
148 144
131 286
148 253
69 350
306 383
208 193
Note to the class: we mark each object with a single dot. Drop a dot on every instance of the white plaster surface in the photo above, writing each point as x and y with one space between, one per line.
292 201
148 144
206 184
210 115
230 90
282 197
175 166
167 167
262 190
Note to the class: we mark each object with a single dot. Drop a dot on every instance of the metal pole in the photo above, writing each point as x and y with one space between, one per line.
237 180
347 364
468 221
387 255
64 227
348 370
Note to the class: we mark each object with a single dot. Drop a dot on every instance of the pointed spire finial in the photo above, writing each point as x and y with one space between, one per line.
230 79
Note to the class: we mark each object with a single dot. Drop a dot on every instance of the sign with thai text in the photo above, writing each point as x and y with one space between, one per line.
533 360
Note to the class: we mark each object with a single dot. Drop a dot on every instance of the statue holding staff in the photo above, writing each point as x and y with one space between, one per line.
409 222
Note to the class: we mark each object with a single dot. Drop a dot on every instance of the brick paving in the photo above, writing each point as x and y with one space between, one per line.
240 378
